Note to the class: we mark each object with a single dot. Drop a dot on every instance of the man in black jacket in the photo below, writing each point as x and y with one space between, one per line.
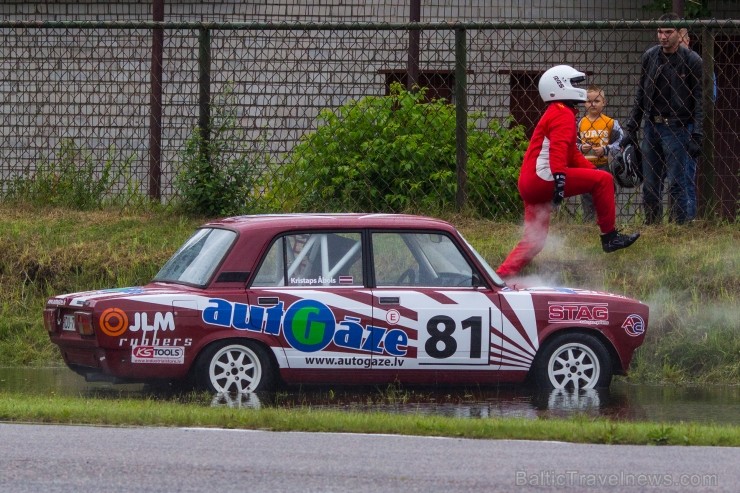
669 98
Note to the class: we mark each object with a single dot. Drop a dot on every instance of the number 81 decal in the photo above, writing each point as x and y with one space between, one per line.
445 341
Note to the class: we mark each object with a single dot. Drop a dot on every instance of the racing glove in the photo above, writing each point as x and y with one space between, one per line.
693 147
559 195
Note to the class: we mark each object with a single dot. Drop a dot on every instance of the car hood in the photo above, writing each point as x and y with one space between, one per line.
545 290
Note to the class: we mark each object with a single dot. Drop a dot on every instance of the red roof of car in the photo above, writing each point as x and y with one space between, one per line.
341 220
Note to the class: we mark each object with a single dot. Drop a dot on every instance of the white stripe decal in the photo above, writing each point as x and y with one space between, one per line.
521 355
522 305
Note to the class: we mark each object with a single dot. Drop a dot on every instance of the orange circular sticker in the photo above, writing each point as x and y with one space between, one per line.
113 322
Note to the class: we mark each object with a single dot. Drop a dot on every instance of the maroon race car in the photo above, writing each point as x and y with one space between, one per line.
249 302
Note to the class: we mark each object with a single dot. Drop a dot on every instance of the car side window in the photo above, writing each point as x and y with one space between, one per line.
313 259
419 259
391 259
272 271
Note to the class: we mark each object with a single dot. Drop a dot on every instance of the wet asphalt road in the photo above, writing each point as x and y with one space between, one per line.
52 458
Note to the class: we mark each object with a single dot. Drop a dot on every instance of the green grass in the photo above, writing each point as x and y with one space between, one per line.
129 412
52 251
688 276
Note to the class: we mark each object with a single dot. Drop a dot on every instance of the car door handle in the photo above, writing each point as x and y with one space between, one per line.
272 301
389 300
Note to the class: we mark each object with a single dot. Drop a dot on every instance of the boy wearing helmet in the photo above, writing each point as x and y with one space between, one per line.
554 168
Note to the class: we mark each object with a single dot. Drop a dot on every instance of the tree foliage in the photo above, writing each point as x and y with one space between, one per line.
397 153
218 175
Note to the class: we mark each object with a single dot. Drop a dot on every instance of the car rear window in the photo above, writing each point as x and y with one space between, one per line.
197 260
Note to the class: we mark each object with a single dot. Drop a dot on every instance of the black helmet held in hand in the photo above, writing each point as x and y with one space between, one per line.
627 167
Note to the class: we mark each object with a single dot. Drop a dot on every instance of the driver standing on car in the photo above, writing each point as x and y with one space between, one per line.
553 168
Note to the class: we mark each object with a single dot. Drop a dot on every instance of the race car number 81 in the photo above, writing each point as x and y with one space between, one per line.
446 340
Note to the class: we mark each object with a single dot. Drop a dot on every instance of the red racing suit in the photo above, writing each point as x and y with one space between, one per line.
551 150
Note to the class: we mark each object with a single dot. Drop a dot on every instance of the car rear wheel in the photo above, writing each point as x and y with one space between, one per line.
234 368
573 361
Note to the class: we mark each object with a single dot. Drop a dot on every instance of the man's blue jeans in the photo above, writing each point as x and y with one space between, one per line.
665 155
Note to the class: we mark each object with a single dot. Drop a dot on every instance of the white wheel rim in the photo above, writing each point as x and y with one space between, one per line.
235 369
573 366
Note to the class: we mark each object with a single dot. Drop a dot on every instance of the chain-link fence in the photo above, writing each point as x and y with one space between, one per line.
102 98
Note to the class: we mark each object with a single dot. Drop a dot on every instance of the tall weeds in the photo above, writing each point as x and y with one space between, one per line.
72 178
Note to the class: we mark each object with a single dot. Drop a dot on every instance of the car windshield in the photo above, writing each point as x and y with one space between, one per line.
195 261
496 278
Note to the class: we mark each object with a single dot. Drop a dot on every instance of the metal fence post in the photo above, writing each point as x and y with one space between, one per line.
709 80
461 118
204 92
155 127
412 80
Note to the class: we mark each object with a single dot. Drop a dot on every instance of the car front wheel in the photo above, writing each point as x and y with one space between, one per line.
234 368
573 361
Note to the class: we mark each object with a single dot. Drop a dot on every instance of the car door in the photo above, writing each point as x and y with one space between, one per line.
426 288
314 284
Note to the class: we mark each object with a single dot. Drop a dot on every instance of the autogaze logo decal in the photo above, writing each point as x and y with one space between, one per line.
308 326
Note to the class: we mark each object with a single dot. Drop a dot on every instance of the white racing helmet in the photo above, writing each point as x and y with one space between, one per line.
627 167
558 84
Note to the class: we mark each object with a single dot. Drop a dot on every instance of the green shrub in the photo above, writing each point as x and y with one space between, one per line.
72 179
398 153
218 176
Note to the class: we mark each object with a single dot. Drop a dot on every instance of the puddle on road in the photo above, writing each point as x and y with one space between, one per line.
623 401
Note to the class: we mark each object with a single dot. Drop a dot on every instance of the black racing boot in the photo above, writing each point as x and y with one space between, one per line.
614 240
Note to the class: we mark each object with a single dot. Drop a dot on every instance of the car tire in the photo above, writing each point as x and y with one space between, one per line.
234 367
573 361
